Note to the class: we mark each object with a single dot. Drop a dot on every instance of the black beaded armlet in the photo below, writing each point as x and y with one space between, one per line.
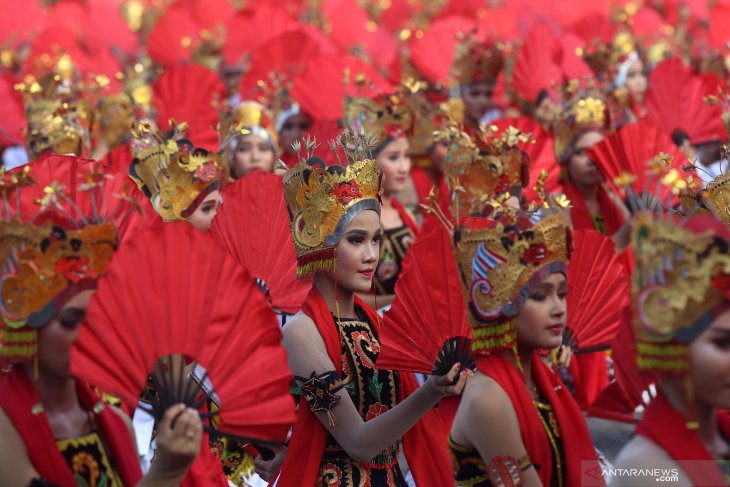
320 391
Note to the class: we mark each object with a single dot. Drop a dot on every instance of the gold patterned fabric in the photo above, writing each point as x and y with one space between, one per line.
88 460
373 392
468 466
552 430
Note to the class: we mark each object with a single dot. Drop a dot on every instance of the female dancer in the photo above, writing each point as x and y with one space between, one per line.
352 415
389 119
254 147
181 181
513 278
681 304
54 430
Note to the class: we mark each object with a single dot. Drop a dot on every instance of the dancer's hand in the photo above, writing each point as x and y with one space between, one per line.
446 385
178 439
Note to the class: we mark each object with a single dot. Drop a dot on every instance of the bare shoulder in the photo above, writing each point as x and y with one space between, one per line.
485 398
642 454
15 466
299 328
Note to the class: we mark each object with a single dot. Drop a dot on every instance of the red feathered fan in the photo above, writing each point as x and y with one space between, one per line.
253 226
676 101
597 293
630 150
88 189
172 291
189 93
425 329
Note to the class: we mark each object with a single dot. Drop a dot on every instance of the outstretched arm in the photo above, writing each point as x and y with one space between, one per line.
362 440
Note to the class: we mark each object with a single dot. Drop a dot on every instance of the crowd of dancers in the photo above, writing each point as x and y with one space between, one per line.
363 242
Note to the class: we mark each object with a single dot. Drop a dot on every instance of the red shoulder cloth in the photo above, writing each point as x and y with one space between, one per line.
425 443
17 398
667 428
405 216
580 454
581 217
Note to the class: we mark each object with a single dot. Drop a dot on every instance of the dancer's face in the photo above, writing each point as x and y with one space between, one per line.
580 167
395 160
477 100
358 252
636 81
541 320
709 356
202 217
56 338
252 153
294 129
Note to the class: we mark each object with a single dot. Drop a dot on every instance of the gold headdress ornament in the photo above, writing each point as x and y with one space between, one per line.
173 174
484 169
714 197
41 259
580 112
324 200
499 258
59 108
682 271
477 62
249 117
387 116
498 261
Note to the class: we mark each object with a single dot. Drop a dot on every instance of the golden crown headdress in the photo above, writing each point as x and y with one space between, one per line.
497 261
387 116
485 165
681 272
59 107
248 117
582 110
323 201
173 174
42 259
477 62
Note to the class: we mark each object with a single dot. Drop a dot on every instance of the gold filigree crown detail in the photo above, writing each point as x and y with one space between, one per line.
582 111
477 62
497 260
484 169
679 276
42 258
172 173
322 202
387 116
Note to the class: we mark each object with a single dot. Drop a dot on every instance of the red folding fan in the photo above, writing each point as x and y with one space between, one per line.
89 189
173 37
425 329
676 101
172 291
536 67
253 226
630 151
433 53
189 93
597 293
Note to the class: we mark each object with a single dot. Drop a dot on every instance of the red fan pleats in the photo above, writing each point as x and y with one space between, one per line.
172 290
253 226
